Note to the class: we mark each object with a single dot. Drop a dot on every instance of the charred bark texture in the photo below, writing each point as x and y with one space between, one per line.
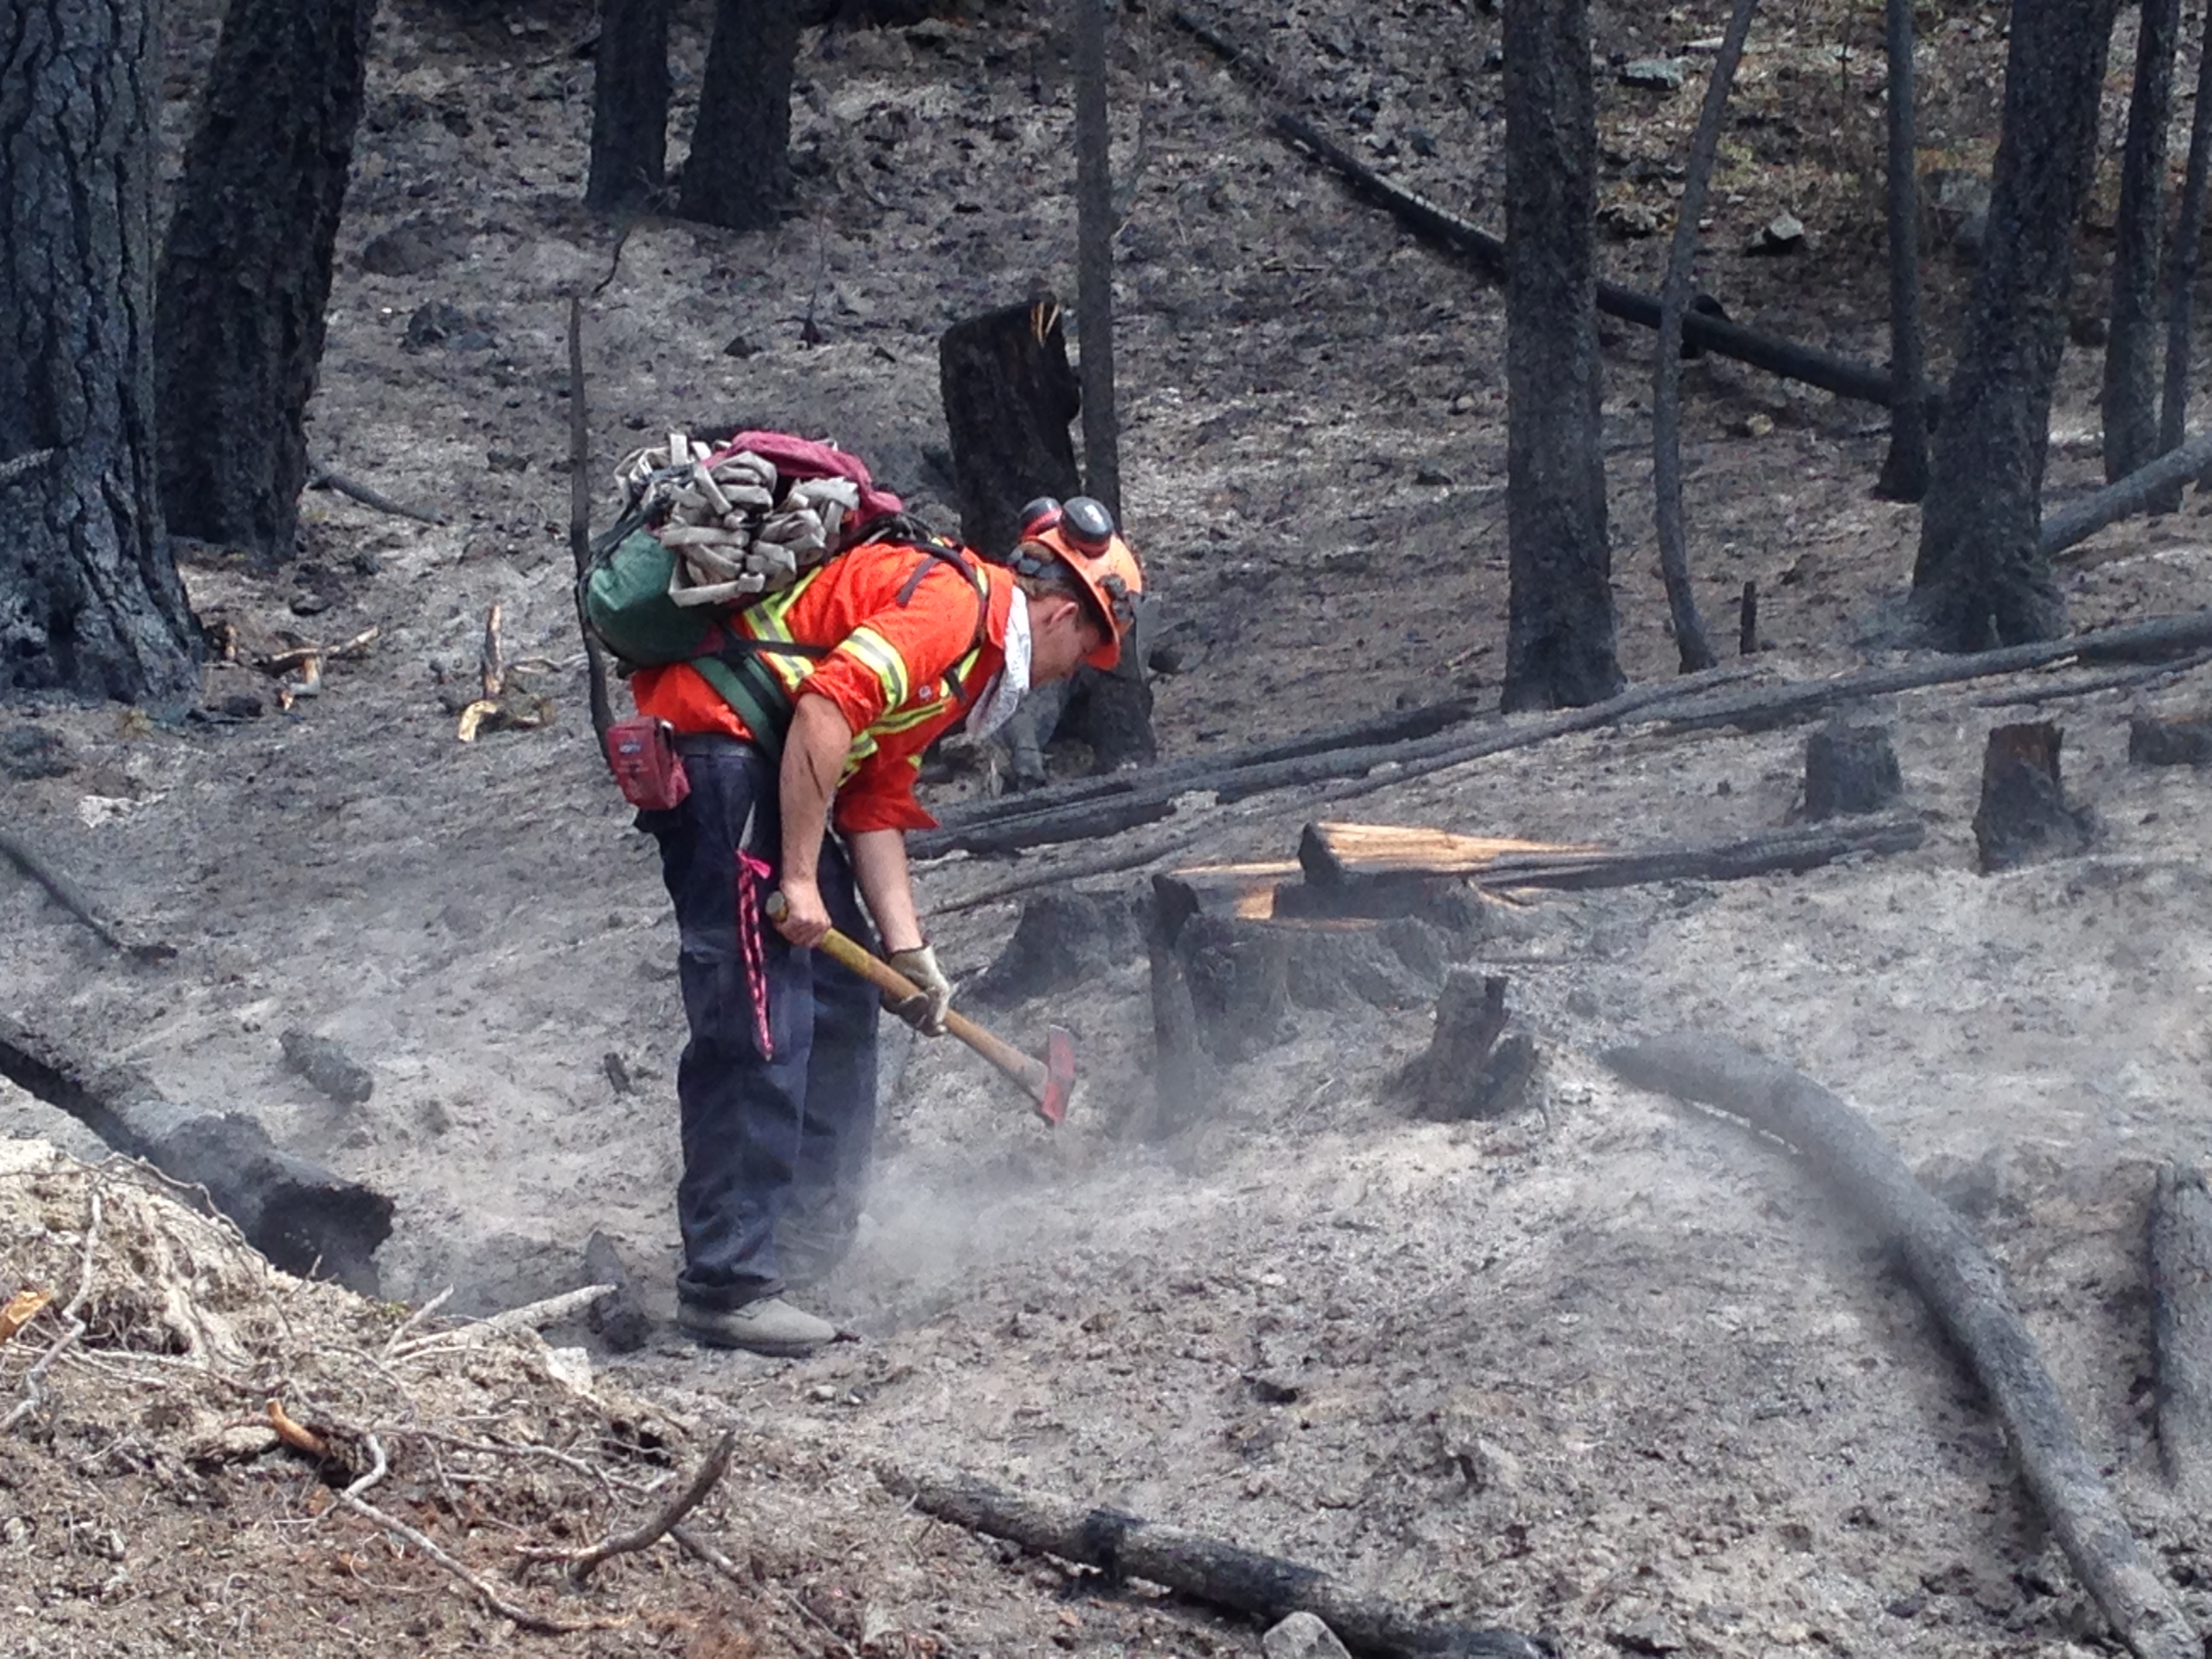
1009 395
1848 769
2181 274
2177 740
1982 577
1191 1564
1689 642
1905 469
1458 1077
1559 628
89 599
738 173
1963 1288
297 1213
629 107
2024 816
245 269
2181 1326
2131 348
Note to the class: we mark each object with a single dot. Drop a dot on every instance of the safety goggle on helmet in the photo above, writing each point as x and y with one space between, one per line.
1080 535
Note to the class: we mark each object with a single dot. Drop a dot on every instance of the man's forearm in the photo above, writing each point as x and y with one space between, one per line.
813 756
879 867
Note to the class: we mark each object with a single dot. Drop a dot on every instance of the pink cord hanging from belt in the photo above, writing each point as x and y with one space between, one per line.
754 876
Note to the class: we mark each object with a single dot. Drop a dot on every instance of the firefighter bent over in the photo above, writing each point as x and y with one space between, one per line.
801 741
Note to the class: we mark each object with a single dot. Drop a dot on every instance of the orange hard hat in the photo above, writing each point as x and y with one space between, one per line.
1080 536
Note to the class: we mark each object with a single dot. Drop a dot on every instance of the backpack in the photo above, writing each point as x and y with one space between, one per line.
704 534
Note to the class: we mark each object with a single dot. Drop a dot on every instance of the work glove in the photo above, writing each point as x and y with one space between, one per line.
925 1011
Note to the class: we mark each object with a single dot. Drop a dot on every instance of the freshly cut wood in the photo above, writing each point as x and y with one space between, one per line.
297 1213
2181 1327
2177 740
1191 1564
1776 705
1963 1287
2024 815
1250 891
1848 769
1341 855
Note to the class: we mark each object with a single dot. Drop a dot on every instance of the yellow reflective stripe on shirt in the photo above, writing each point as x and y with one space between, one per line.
764 621
880 658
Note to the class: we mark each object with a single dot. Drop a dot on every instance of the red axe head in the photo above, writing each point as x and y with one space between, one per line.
1059 1076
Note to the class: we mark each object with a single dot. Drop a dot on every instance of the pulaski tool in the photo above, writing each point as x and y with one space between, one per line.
1050 1081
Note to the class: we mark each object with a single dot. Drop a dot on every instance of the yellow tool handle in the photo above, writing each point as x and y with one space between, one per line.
1023 1068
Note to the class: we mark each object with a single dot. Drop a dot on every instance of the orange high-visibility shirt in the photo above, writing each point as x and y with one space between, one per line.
899 673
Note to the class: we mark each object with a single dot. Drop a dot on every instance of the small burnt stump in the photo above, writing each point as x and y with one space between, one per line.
1064 939
1850 768
328 1066
2180 740
2024 815
1239 977
1185 1081
1467 1071
620 1319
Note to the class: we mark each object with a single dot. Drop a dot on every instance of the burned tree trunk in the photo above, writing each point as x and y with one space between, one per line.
2181 273
2024 815
1690 643
245 269
629 107
2131 351
738 173
1982 577
1009 395
1905 469
89 599
2181 1326
1559 628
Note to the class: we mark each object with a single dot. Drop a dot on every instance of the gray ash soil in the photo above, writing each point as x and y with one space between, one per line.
1608 1369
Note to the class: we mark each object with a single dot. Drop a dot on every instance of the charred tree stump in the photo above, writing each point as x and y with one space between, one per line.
245 269
629 107
2024 817
1466 1071
1849 769
1063 939
1009 396
2181 1327
300 1215
1185 1082
1965 1291
1193 1565
2178 740
738 173
1239 977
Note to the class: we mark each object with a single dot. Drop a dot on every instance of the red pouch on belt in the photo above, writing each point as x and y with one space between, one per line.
641 750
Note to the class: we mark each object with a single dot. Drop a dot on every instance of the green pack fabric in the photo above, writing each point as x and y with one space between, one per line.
626 600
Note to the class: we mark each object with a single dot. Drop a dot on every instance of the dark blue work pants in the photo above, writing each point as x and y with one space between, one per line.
779 1104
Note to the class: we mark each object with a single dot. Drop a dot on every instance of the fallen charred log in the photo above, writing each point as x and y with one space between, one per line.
1963 1287
1151 796
1702 329
1193 1565
300 1215
2181 1327
2159 638
2139 492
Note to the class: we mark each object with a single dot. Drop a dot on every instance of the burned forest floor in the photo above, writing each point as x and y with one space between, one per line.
1604 1369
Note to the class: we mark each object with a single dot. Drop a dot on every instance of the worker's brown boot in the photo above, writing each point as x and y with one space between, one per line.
769 1326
